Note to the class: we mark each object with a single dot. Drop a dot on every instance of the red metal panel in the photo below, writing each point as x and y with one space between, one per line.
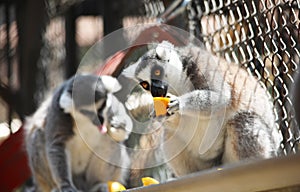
14 170
115 63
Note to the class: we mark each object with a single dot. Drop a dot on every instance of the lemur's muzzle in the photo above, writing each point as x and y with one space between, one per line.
158 88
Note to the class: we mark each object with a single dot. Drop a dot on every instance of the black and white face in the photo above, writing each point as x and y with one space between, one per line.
85 97
152 77
95 114
156 70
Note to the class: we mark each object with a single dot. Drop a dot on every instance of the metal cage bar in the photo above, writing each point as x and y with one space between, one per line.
266 175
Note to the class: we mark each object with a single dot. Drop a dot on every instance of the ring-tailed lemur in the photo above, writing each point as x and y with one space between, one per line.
74 140
218 113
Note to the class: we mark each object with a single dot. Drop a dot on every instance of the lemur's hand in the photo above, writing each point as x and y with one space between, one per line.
173 105
116 122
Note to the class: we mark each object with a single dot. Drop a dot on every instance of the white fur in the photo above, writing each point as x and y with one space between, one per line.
129 71
65 102
111 83
167 52
164 49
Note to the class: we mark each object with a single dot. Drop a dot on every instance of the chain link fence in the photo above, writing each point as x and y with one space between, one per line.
260 35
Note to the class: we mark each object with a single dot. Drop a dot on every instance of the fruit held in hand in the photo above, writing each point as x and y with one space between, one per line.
160 105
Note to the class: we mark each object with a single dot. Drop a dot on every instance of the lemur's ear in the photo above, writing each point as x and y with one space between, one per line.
166 51
65 101
111 84
129 72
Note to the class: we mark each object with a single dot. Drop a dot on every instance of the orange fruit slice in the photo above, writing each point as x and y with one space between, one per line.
114 186
149 181
160 105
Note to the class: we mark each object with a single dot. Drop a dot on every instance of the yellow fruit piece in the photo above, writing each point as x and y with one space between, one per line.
114 186
149 181
160 105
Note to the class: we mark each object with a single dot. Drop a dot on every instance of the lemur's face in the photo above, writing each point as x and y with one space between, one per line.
156 70
89 100
94 113
109 117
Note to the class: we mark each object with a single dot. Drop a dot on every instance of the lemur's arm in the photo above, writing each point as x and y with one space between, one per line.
204 101
57 132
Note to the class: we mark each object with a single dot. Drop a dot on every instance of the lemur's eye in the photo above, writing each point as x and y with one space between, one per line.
145 85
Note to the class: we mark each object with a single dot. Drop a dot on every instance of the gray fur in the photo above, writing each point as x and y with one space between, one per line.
60 140
218 113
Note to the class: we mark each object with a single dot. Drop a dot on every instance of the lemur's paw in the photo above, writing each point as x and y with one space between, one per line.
152 114
117 123
173 105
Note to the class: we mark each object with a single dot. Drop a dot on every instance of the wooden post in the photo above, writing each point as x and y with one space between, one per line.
31 21
71 46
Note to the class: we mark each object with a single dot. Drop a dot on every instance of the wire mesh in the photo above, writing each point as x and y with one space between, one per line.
261 36
8 65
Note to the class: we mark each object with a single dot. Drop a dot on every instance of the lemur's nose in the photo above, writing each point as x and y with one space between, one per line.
158 88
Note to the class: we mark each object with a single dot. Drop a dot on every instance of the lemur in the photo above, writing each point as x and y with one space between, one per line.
218 113
75 139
